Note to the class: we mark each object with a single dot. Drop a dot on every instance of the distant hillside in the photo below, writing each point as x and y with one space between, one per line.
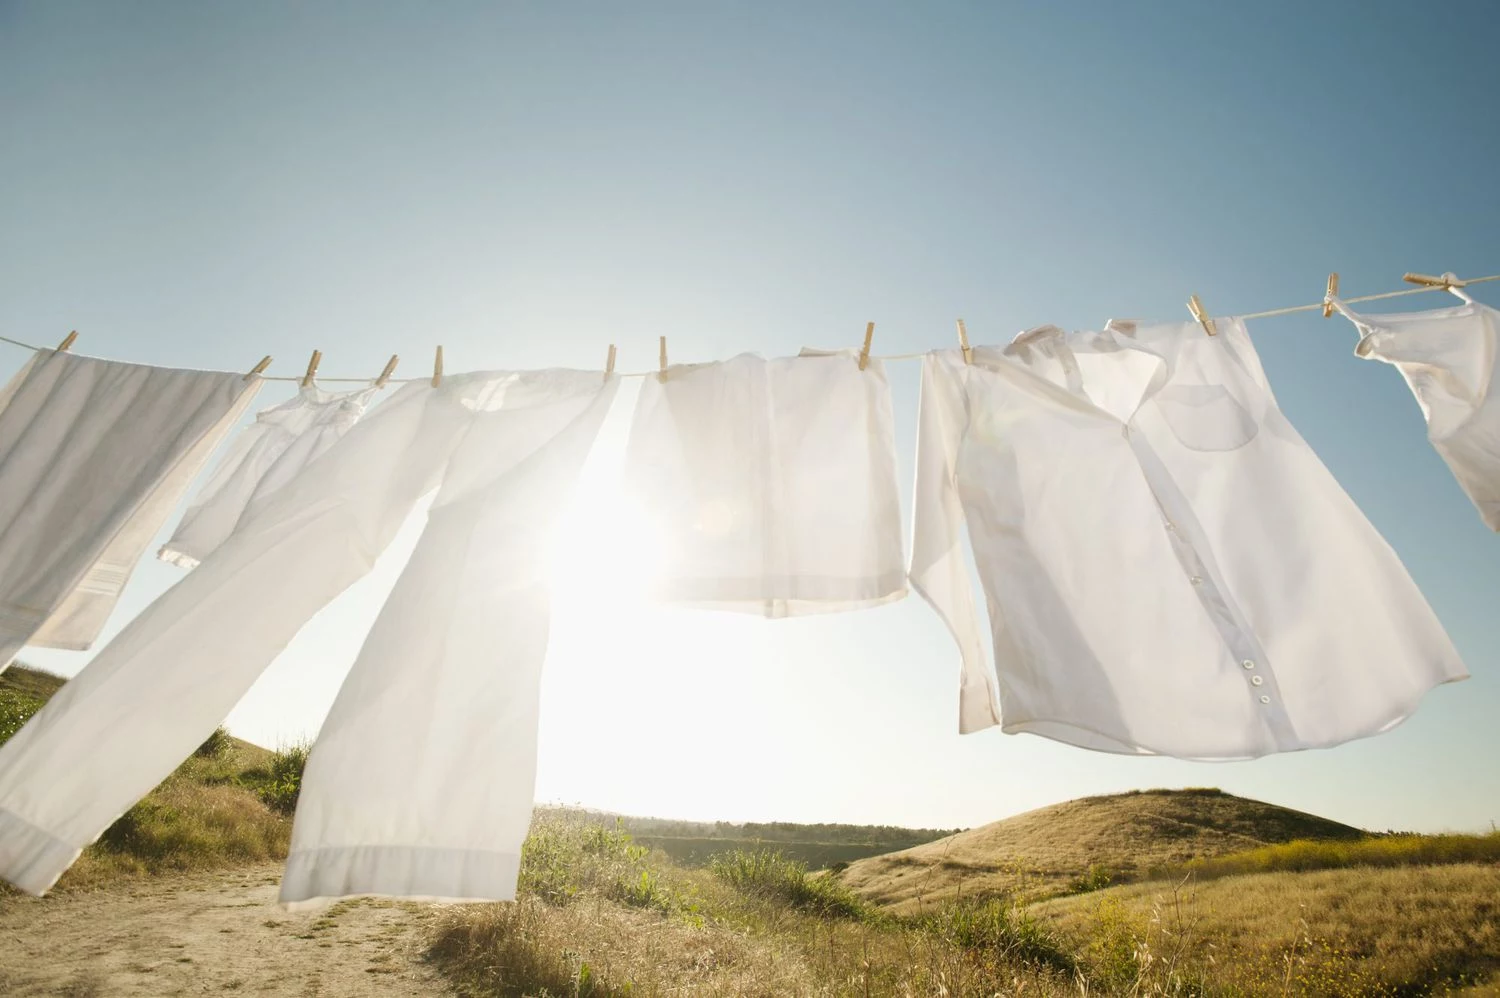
1054 849
693 843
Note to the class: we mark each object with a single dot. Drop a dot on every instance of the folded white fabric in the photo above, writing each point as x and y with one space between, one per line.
264 457
770 484
1448 357
1169 568
420 783
94 455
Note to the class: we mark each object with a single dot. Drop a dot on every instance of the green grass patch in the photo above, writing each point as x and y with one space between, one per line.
278 782
767 874
16 709
999 927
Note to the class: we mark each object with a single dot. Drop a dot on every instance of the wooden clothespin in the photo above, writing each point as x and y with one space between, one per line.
67 341
1333 289
385 375
1195 306
312 368
864 352
662 376
265 362
609 364
1427 280
963 342
437 368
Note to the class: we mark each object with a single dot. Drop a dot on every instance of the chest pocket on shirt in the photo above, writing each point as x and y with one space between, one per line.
1206 417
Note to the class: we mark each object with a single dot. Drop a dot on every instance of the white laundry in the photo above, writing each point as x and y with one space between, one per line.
1169 567
94 455
413 788
264 457
1448 357
770 485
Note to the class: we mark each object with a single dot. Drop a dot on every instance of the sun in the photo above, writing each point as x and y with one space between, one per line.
603 547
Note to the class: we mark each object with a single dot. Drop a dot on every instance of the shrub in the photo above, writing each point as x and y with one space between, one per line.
1097 878
215 746
280 782
566 856
999 927
766 874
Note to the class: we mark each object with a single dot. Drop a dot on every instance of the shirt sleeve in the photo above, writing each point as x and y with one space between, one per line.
938 570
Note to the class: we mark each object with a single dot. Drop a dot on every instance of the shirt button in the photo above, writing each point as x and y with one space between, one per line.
1248 664
1196 580
1170 525
1256 680
1265 699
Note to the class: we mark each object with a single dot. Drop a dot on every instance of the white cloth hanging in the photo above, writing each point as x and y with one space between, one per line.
264 457
142 705
1169 568
1448 357
94 455
770 485
422 779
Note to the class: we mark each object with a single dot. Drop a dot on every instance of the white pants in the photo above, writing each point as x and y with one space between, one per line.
421 781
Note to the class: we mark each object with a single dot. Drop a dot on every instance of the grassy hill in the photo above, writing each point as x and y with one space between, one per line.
1351 931
1082 844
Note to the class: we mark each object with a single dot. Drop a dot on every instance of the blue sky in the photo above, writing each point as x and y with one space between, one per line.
202 184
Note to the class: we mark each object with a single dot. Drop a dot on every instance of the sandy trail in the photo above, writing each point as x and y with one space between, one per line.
210 933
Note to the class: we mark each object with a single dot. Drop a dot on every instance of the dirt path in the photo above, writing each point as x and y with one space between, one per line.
210 933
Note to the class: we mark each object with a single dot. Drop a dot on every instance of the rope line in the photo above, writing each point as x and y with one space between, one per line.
1270 313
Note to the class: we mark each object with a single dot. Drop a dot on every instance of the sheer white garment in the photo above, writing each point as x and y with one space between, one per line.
94 455
1169 567
770 485
267 455
435 805
1448 358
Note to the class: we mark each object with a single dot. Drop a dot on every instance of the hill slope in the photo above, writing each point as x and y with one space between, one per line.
1047 850
1400 930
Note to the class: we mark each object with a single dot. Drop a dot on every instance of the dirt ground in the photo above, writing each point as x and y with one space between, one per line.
210 933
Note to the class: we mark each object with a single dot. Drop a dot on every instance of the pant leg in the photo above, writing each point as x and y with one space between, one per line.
421 782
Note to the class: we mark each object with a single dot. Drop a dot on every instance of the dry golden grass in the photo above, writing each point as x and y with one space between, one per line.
1043 852
596 947
1356 931
599 915
183 825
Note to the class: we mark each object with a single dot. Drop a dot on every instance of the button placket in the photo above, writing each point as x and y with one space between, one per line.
1177 526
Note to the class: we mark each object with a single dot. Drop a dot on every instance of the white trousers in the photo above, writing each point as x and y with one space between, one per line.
420 783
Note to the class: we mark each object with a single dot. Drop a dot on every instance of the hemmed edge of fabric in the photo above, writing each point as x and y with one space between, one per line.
317 877
32 858
1406 708
747 596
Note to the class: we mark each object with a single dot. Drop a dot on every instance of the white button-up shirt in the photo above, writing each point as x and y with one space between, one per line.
1448 358
1169 567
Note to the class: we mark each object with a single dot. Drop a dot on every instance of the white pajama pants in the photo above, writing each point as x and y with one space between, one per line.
421 781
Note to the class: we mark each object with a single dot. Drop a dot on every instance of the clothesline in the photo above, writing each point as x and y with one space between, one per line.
1429 284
